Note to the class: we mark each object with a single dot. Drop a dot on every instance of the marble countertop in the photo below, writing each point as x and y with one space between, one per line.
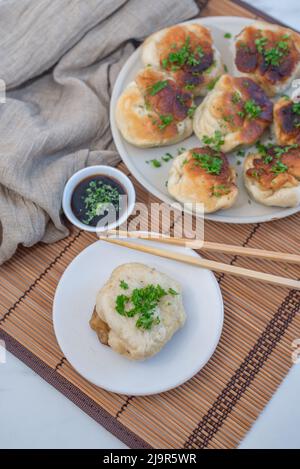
35 415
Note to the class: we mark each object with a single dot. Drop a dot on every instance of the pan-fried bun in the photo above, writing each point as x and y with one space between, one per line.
238 109
287 121
133 335
269 54
273 176
203 176
187 52
153 111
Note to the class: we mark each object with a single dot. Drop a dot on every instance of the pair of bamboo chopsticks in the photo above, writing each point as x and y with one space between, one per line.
206 263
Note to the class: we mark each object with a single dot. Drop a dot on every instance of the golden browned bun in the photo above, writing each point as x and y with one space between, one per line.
270 54
154 111
272 176
127 334
187 53
287 121
238 109
203 176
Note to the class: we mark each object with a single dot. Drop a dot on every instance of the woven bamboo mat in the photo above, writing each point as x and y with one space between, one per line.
218 406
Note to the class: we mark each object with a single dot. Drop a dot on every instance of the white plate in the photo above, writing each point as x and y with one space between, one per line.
154 179
185 354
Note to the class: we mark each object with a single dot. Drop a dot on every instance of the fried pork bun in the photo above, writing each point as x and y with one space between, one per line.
187 52
153 111
269 54
203 176
273 178
120 331
287 122
237 108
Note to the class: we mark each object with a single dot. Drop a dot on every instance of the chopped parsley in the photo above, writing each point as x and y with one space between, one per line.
279 167
228 35
236 97
99 196
271 151
219 190
296 108
212 164
191 110
252 109
215 142
167 157
124 285
165 120
157 163
273 55
144 302
183 56
210 86
157 87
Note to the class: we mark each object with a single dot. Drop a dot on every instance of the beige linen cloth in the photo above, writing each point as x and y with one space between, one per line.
59 60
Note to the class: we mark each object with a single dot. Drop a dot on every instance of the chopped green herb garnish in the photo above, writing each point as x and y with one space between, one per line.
189 87
157 87
165 121
144 302
225 68
252 109
155 163
279 167
183 56
228 35
210 86
181 150
212 164
273 55
99 197
296 108
236 97
172 292
191 110
124 285
241 153
167 157
215 142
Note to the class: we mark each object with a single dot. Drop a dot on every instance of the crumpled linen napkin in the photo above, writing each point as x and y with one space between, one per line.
59 60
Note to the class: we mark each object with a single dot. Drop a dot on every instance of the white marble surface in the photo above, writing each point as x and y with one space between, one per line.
35 415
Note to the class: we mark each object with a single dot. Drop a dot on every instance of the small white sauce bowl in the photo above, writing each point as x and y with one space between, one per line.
99 170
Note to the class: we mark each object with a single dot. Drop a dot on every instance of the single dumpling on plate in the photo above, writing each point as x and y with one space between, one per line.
153 110
203 176
268 53
188 53
272 175
287 121
238 109
138 310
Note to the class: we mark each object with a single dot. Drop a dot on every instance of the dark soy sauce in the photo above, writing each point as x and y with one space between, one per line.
80 194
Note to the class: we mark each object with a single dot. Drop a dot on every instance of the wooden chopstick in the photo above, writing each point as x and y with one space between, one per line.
216 247
207 264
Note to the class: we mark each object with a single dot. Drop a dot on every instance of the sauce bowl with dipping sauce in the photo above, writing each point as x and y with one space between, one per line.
98 198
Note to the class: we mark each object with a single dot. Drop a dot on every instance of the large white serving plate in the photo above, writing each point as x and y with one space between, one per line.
182 357
154 180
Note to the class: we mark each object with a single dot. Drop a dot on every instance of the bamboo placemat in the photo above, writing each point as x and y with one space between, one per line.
218 406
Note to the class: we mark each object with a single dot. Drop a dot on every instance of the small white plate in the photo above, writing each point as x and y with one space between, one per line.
186 353
245 210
